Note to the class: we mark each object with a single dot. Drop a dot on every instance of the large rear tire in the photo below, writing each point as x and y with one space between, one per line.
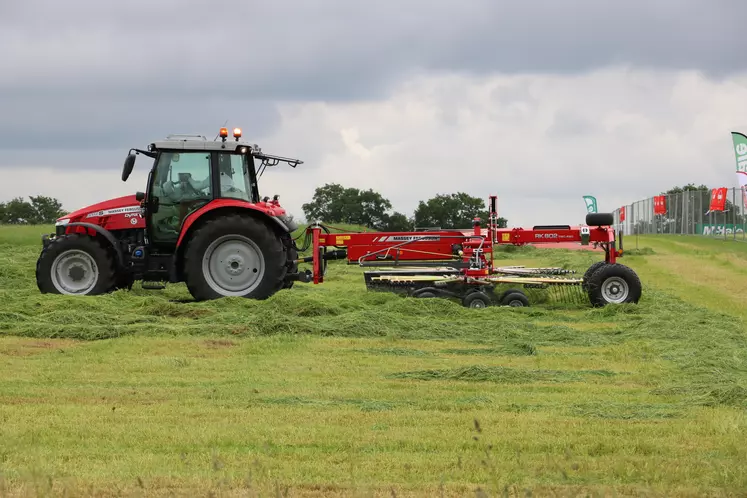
234 255
76 265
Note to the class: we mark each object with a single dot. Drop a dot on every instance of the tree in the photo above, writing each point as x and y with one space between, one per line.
41 210
334 203
452 211
398 222
46 209
19 211
690 187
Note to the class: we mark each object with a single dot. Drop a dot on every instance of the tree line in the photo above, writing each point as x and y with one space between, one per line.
331 203
334 203
39 210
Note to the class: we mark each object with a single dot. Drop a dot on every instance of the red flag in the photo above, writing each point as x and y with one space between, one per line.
622 213
660 204
718 199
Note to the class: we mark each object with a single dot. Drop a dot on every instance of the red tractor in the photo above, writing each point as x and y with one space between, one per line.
200 221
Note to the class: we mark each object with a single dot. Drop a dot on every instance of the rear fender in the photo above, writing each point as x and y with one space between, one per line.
225 205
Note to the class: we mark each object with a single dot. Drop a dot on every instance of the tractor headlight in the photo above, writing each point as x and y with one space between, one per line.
60 226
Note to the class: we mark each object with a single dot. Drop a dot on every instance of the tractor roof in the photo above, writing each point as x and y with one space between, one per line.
199 142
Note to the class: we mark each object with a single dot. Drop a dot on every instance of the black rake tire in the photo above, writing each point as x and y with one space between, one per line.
505 294
515 299
255 253
477 299
424 293
589 272
78 257
614 284
600 219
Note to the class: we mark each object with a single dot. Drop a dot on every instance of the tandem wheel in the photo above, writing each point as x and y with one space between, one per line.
515 298
426 292
477 299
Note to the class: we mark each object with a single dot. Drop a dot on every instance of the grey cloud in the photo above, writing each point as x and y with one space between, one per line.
80 123
336 50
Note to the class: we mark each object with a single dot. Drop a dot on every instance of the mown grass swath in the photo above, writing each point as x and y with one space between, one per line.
331 390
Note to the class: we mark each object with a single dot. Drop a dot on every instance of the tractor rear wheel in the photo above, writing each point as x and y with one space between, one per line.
75 264
234 255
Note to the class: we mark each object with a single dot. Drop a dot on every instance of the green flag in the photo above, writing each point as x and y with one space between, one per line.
591 204
740 151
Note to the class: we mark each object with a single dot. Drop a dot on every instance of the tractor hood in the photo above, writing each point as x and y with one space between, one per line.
119 205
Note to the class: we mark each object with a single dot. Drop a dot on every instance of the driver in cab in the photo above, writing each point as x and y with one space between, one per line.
188 187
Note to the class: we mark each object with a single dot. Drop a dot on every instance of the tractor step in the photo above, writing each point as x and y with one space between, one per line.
153 286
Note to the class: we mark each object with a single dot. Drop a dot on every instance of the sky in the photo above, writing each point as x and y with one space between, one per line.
538 102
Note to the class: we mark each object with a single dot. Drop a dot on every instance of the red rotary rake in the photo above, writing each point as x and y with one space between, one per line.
460 265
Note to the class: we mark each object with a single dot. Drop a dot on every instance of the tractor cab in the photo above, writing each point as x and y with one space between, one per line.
189 172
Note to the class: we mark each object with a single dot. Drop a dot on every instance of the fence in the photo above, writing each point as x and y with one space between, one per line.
687 213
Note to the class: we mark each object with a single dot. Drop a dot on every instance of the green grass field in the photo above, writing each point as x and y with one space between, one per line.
331 390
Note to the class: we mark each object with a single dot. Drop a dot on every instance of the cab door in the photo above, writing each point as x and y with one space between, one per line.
182 183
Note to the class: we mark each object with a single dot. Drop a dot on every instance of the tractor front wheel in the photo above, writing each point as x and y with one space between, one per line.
75 264
234 255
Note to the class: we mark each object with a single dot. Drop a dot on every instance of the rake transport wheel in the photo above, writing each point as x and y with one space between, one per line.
234 255
425 292
614 284
476 299
589 272
514 297
75 264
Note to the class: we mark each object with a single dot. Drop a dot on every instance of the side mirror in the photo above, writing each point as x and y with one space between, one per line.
129 163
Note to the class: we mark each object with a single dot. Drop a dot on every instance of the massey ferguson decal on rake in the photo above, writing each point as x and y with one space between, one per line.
202 221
